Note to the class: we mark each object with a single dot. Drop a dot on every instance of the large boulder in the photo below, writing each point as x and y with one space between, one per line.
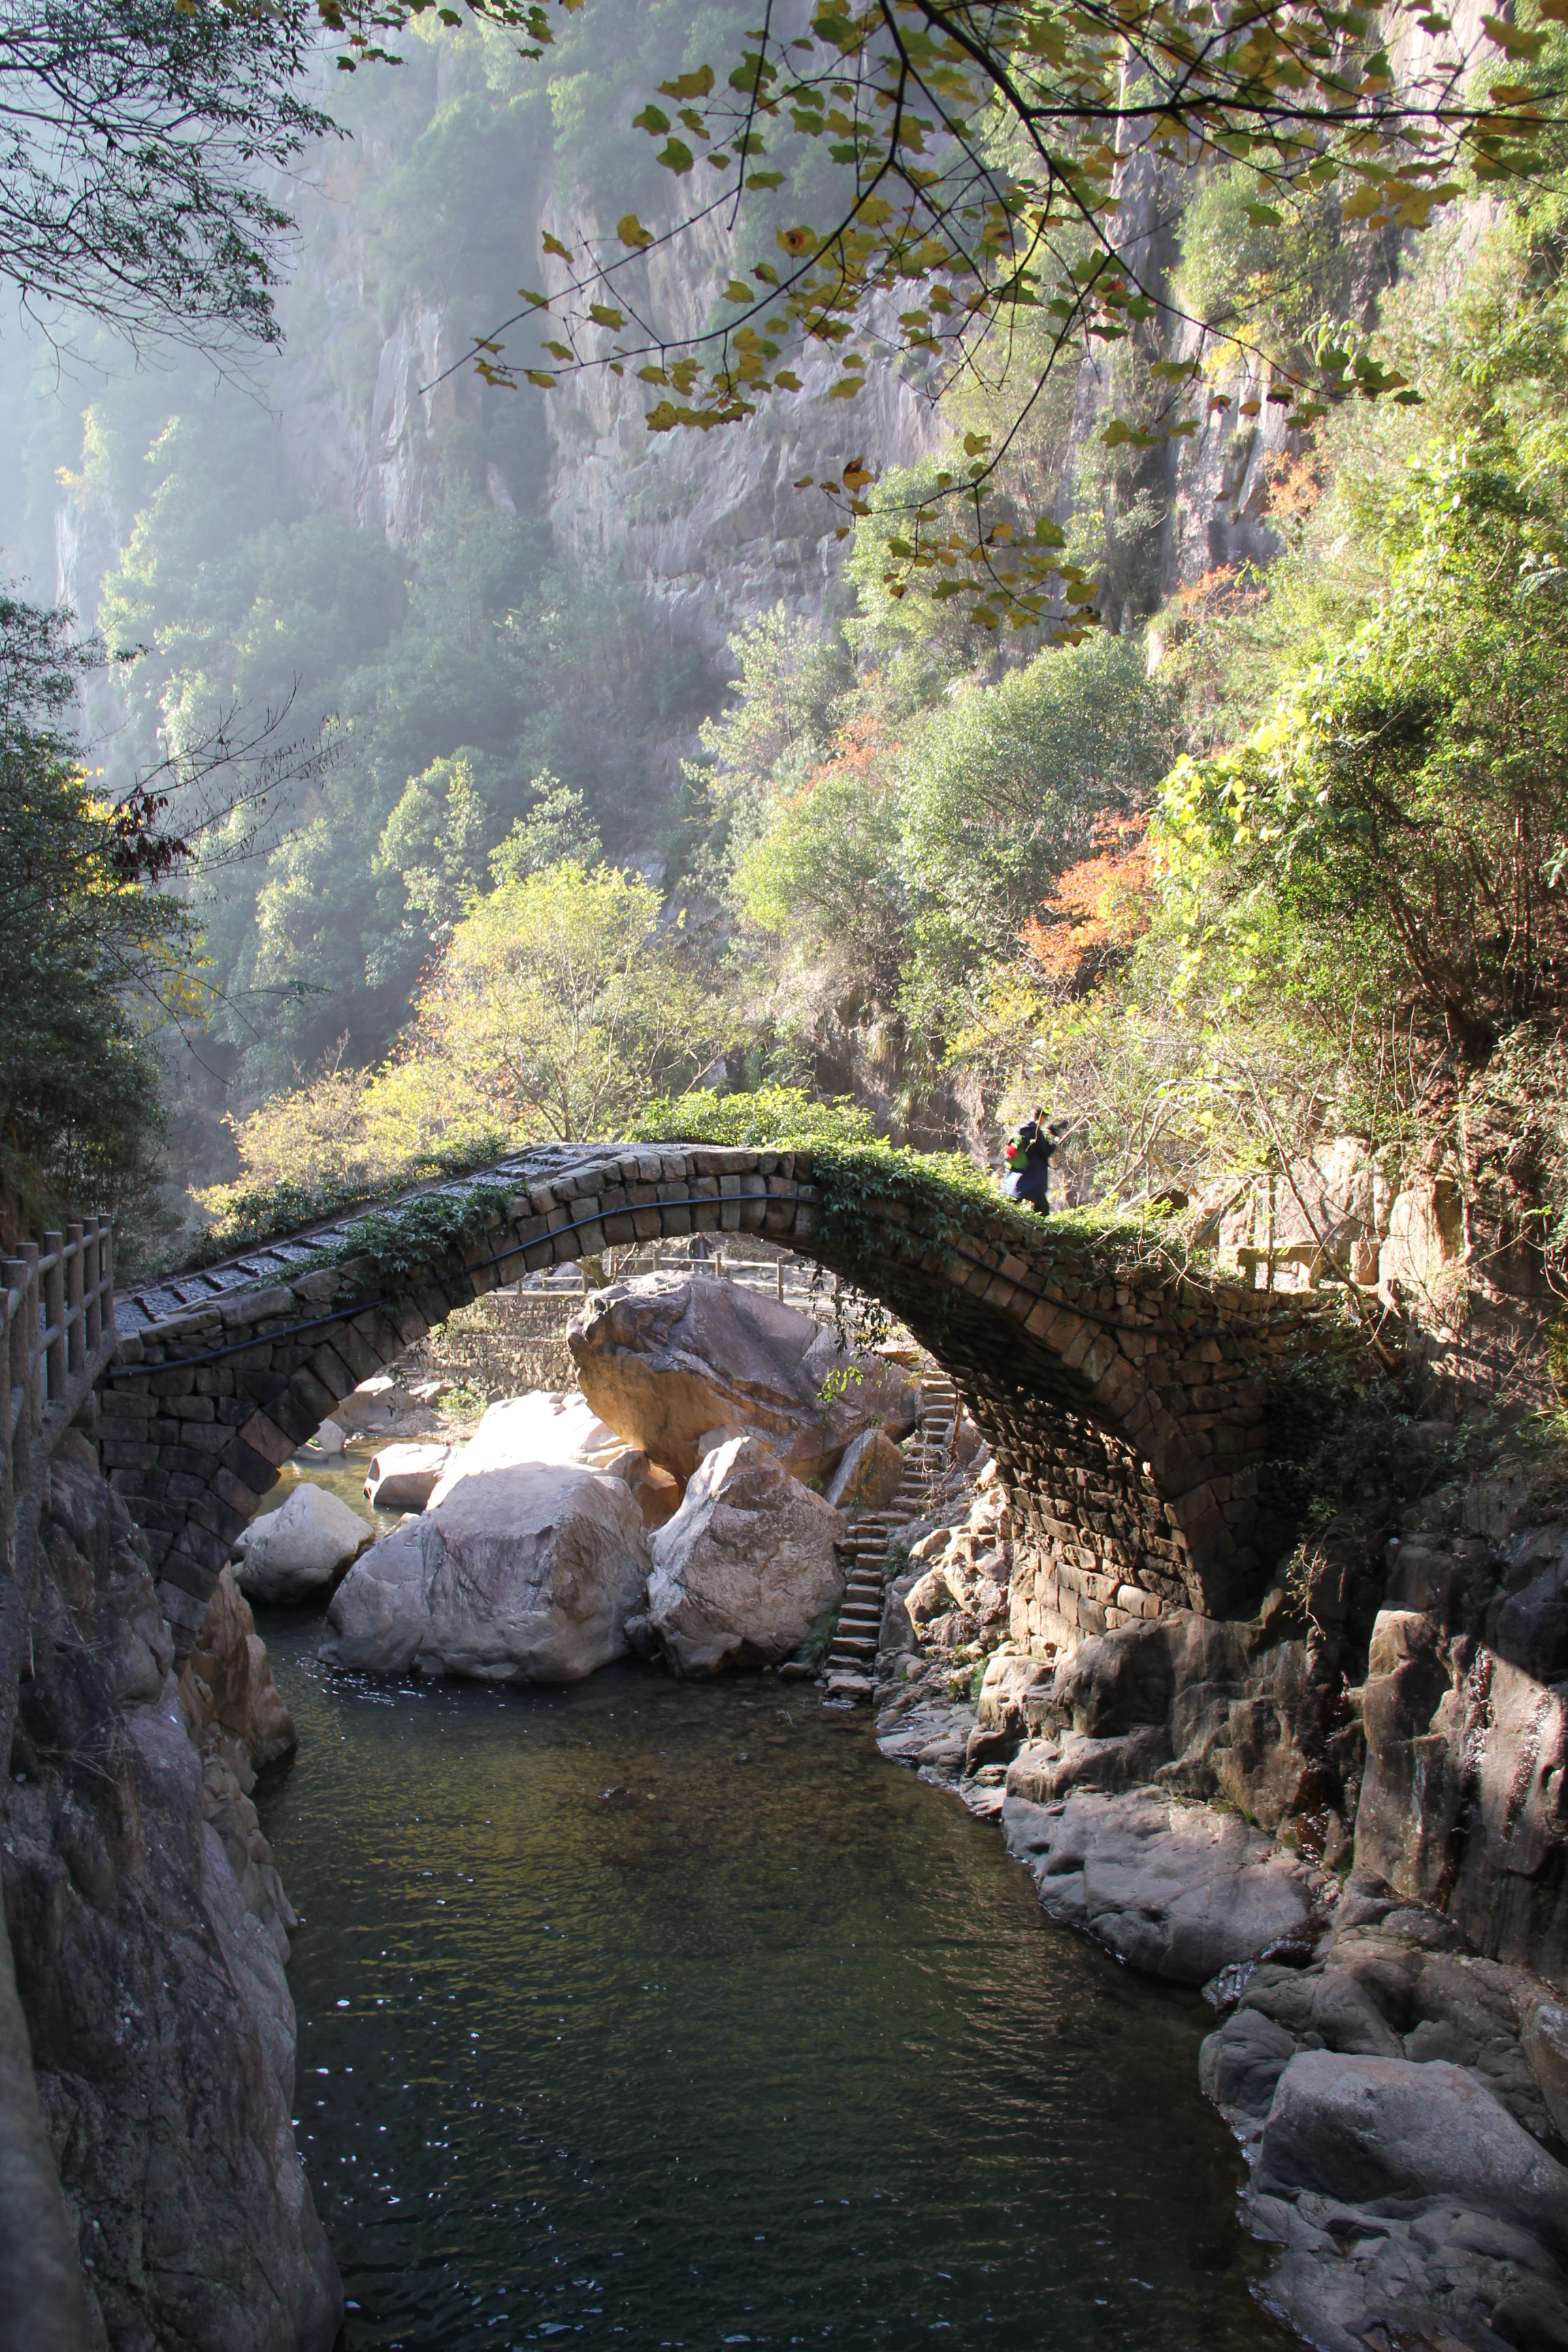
294 1550
545 1425
1544 2041
561 1425
1180 1890
672 1357
404 1477
747 1565
1367 2129
869 1476
518 1571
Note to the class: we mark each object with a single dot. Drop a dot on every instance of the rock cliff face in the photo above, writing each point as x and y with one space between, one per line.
377 460
710 523
160 2021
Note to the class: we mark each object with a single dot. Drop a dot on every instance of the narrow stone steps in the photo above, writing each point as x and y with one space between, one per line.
926 1456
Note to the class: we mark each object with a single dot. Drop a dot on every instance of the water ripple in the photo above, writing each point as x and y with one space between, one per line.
672 2016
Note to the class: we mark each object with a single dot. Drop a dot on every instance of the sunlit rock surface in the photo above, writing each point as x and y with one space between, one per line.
670 1358
293 1551
747 1565
520 1570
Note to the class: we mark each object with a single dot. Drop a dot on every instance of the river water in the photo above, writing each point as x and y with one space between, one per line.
672 2015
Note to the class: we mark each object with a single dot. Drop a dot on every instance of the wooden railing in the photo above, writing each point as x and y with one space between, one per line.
58 1309
58 1336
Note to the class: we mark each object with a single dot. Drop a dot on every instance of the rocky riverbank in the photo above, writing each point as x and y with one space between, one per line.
1354 1841
150 1931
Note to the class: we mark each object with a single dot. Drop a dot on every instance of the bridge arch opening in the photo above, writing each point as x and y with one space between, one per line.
1124 1395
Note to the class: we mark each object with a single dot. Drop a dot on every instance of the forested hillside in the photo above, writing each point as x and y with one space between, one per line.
608 763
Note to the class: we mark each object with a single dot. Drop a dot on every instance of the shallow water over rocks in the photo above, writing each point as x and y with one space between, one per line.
673 2015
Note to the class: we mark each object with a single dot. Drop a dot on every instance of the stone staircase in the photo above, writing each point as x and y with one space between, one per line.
851 1662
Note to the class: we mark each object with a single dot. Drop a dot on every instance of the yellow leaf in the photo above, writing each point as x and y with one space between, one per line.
692 85
540 377
553 245
603 314
736 292
630 231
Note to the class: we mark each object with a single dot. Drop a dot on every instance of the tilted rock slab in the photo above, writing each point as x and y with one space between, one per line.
1365 2129
746 1566
404 1477
869 1476
227 1685
1398 2113
668 1357
518 1571
1179 1891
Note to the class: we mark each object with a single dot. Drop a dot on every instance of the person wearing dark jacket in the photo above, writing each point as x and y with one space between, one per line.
1028 1178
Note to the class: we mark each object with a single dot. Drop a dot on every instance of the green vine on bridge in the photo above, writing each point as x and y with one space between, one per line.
422 1237
880 1198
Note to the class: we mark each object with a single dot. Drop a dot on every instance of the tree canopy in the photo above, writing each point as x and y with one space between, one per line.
135 138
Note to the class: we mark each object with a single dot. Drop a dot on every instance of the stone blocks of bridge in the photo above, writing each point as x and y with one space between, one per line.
1131 1434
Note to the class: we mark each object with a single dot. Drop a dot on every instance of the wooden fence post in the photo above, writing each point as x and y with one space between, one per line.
76 1330
15 1272
34 1352
92 1306
55 1316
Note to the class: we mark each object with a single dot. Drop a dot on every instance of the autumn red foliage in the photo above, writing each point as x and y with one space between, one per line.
1099 908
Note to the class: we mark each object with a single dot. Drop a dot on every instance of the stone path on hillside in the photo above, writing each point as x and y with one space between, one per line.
852 1661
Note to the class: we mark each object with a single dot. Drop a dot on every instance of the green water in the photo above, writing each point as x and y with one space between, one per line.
672 2015
342 1474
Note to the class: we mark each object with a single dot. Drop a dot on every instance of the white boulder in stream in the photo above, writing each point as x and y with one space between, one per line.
404 1477
292 1552
518 1569
746 1566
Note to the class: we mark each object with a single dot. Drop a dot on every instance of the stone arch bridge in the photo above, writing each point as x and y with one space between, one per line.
1124 1395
